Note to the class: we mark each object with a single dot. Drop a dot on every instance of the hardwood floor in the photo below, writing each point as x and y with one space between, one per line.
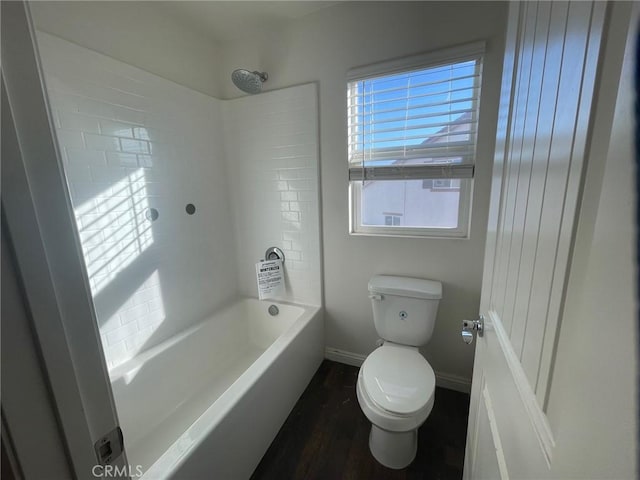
326 436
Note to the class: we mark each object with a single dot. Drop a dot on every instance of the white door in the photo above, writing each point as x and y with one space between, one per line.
38 223
552 93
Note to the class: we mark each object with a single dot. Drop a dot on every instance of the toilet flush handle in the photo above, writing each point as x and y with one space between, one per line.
375 296
468 326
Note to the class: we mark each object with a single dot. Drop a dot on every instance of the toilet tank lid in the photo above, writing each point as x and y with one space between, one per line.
406 287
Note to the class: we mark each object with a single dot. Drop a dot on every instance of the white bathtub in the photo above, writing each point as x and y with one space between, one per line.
207 403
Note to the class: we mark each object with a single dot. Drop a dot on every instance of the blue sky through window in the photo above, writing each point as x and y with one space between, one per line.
404 110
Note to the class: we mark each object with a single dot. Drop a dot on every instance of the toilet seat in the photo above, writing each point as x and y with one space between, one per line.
396 387
398 379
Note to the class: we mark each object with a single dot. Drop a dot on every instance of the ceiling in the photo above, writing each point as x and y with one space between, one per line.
225 21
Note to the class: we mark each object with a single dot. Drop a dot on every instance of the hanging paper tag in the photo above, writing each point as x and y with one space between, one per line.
270 277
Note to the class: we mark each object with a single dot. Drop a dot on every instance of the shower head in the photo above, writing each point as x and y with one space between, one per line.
250 82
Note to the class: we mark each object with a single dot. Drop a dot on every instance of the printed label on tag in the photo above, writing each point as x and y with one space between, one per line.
270 277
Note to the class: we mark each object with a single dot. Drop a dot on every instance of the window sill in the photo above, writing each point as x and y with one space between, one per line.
432 236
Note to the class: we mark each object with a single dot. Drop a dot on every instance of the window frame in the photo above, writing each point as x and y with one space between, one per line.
471 51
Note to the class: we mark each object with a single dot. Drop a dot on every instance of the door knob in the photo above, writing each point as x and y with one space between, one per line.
468 326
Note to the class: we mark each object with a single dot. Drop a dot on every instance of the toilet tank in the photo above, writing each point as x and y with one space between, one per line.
404 308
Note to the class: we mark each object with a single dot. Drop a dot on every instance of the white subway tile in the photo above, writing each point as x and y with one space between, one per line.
288 196
300 161
310 173
149 319
296 245
145 161
291 216
301 185
134 146
110 325
292 255
91 239
78 173
85 157
135 343
134 313
294 206
101 142
281 186
83 192
110 174
308 196
156 304
121 159
149 294
78 122
70 139
141 133
119 334
115 353
289 173
116 129
289 225
290 235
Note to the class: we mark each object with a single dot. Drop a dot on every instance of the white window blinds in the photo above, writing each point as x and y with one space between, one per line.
416 122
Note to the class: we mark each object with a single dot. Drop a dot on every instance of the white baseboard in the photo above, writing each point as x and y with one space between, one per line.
341 356
453 382
444 380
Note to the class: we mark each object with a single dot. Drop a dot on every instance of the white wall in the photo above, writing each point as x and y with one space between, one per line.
139 33
597 347
271 145
132 141
321 48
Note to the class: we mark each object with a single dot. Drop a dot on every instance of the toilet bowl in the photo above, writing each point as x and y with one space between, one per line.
395 390
396 384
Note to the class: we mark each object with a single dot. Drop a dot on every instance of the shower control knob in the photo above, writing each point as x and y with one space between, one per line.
467 337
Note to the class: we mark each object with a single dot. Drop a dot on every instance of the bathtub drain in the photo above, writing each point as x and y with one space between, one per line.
273 310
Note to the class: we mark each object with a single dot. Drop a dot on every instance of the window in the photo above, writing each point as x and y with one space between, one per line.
412 129
392 219
440 184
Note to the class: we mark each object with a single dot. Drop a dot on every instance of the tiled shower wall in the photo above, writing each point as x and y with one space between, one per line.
271 143
132 142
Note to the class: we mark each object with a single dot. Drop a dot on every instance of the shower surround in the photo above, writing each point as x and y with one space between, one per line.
132 141
137 149
275 185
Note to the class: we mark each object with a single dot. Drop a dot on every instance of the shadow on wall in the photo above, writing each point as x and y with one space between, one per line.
115 228
129 264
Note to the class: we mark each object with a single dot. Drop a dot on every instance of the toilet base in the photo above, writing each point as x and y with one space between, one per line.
393 449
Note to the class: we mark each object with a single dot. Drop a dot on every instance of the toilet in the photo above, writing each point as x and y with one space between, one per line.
396 385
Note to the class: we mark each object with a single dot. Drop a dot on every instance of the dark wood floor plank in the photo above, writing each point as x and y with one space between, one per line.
326 436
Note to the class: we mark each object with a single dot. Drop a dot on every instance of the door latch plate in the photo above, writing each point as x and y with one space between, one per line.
109 446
